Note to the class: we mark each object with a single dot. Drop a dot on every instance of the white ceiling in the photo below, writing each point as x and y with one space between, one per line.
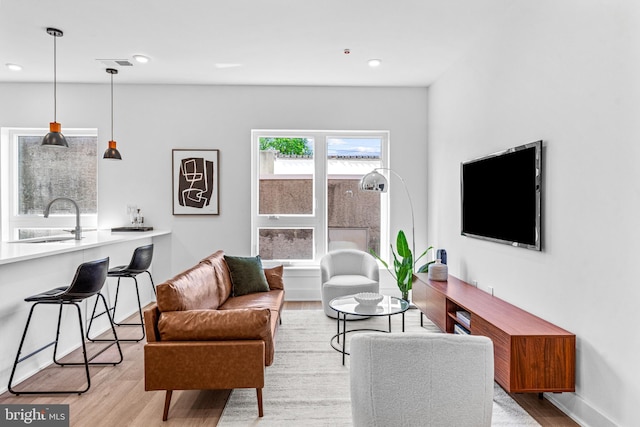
278 42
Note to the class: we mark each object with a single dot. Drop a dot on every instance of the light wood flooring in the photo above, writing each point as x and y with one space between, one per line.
117 395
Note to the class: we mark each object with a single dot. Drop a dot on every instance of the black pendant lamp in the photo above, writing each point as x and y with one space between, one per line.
54 138
112 152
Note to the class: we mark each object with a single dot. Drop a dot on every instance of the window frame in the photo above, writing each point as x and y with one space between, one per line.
318 221
10 220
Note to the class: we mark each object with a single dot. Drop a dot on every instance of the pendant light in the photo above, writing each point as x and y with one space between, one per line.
112 152
54 138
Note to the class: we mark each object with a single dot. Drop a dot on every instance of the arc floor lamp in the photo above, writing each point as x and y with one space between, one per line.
376 182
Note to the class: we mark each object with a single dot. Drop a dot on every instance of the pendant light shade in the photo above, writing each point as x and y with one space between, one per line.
112 152
54 138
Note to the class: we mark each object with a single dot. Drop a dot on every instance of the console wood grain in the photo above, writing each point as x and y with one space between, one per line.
531 355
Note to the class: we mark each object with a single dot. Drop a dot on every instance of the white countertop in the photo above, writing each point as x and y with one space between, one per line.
18 251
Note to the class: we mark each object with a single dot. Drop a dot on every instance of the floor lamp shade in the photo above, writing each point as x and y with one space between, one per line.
54 138
374 181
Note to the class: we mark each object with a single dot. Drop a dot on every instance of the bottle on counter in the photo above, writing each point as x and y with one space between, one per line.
139 219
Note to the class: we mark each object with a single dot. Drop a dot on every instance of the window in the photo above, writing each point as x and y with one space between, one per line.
306 200
33 175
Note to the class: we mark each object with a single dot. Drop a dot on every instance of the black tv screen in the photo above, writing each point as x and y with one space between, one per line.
501 196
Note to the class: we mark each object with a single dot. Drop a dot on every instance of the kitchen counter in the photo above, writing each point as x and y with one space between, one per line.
30 268
11 252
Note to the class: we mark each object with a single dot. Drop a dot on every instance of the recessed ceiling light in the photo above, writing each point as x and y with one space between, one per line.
227 65
14 67
141 58
374 62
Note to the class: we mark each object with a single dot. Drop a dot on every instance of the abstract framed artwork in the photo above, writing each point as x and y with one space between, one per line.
196 187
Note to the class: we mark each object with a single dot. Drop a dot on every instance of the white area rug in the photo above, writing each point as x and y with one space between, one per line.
307 385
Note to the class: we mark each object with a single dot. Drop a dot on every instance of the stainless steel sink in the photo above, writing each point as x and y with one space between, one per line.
47 239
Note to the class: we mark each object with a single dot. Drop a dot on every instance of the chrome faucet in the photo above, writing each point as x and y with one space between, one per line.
78 230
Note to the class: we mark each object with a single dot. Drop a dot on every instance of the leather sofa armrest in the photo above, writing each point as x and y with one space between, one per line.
218 325
201 365
151 316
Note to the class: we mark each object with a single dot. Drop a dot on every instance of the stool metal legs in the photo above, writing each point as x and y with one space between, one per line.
141 324
115 305
87 360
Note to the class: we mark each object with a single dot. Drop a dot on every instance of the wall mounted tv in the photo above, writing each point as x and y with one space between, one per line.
501 196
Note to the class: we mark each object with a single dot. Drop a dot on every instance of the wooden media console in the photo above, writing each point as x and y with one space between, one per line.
531 355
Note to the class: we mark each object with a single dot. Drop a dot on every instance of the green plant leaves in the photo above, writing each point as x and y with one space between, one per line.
403 263
402 245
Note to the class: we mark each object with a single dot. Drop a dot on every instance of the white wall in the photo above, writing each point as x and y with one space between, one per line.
566 72
151 120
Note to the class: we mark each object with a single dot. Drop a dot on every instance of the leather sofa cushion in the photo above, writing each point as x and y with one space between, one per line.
274 277
206 285
272 300
219 325
222 275
193 289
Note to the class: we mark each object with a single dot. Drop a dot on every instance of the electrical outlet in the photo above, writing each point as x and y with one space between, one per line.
490 288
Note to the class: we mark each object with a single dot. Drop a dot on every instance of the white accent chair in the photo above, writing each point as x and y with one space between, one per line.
347 272
421 379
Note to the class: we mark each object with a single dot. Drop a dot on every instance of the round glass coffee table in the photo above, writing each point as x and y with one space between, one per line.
348 306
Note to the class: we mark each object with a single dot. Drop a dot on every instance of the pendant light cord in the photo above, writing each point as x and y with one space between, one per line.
55 101
112 107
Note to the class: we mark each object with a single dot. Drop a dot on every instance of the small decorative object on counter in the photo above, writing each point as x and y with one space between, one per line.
442 255
131 211
139 219
438 271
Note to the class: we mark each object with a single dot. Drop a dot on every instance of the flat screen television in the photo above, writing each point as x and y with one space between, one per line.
500 196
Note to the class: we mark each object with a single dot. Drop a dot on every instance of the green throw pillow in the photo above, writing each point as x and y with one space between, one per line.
247 275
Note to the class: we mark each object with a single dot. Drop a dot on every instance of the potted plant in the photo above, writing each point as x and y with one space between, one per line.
404 264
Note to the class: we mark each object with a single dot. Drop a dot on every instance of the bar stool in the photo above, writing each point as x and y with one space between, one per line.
87 282
140 262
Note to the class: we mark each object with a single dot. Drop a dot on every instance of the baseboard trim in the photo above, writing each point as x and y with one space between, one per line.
578 410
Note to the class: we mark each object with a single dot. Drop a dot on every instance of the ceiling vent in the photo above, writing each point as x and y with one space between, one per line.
116 62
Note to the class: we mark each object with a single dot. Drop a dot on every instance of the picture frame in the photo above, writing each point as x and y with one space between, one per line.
195 181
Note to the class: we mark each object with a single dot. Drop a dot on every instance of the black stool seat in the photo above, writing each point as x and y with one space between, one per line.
140 263
54 295
121 271
87 282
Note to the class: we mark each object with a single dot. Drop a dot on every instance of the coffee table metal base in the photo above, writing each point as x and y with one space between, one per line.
349 305
336 338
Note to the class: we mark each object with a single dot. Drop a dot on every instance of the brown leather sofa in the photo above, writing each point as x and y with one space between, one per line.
201 337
